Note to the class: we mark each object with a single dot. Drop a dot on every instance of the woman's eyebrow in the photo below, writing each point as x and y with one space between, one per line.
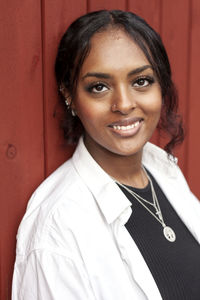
139 70
108 76
97 75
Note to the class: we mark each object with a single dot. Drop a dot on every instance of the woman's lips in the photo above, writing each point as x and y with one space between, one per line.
126 122
126 127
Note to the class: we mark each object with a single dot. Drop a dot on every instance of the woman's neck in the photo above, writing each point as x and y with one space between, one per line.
125 169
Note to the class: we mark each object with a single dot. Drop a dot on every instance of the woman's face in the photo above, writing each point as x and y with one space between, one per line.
118 98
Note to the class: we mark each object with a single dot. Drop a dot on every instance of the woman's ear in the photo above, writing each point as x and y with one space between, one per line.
65 93
68 100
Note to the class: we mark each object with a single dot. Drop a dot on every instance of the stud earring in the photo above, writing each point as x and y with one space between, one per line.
68 107
67 103
61 89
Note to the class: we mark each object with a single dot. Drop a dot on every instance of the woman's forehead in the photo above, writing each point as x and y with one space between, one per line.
114 50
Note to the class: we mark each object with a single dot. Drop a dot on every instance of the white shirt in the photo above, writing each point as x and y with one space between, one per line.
72 243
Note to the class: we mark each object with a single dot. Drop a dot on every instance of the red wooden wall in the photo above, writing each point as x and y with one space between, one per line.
31 144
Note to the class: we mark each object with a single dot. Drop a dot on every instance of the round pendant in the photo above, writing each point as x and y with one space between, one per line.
169 234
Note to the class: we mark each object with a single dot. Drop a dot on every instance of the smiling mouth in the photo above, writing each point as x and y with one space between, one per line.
126 128
117 127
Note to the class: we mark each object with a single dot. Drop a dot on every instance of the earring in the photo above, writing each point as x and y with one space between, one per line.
73 113
68 107
61 89
67 103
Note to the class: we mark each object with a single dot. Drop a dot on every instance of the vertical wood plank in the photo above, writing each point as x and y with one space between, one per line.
194 101
175 34
150 11
56 17
21 122
105 4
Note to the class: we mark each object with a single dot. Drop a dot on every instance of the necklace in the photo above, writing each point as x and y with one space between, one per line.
168 232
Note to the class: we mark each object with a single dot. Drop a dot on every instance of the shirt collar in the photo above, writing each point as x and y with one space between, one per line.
110 199
157 160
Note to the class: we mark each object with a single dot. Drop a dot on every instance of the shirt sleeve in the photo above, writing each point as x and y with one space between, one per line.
44 275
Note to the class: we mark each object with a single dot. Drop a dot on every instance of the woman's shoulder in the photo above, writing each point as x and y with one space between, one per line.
61 182
55 206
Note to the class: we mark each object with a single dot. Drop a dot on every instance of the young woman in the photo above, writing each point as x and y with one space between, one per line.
116 221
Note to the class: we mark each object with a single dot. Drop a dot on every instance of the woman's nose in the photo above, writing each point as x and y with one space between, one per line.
123 102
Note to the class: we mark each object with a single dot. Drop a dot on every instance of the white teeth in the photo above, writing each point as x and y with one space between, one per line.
126 127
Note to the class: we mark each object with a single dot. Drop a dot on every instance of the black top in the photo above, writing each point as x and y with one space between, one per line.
175 266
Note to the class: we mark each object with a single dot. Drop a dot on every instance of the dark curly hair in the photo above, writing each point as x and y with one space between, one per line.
75 46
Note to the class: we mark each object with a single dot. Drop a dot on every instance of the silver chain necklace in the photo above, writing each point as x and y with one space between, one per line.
168 232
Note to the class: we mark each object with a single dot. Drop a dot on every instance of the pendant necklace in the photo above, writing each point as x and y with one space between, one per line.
168 232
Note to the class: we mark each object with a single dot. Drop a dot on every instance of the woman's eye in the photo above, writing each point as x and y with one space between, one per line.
96 88
143 82
99 88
